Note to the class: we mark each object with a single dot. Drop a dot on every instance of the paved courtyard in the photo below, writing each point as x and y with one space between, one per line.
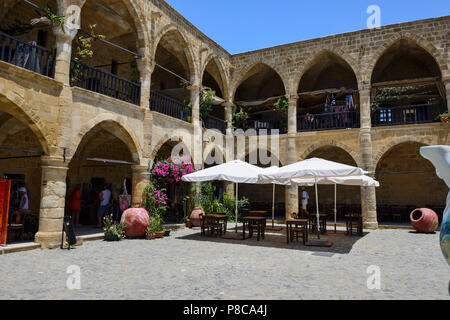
187 266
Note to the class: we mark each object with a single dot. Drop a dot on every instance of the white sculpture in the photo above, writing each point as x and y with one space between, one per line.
440 157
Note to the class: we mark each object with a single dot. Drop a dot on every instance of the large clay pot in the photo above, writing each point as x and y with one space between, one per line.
424 220
136 220
195 217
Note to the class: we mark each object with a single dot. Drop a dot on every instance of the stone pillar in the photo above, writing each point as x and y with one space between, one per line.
229 143
292 191
53 193
64 44
145 72
198 132
140 179
368 194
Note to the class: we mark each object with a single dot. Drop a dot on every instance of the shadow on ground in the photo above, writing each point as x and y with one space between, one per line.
342 244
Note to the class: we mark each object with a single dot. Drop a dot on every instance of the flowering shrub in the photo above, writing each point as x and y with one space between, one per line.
113 232
154 200
172 170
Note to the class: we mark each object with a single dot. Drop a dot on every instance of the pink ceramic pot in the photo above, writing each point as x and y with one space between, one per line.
136 220
424 220
195 217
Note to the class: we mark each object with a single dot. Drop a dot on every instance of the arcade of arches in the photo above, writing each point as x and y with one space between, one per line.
394 80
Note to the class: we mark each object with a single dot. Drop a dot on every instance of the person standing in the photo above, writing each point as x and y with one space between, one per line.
305 198
103 209
75 205
23 205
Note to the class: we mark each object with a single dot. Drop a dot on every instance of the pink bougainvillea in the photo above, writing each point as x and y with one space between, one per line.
172 169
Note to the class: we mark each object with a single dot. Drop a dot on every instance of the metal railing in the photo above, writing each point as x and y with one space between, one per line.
27 55
169 106
264 124
424 113
215 123
328 121
92 79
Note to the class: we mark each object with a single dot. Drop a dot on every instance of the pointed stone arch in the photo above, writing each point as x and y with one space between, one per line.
354 154
242 75
117 127
19 109
222 72
427 46
314 57
187 50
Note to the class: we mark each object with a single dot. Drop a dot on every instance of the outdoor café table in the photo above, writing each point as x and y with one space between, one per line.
221 218
291 223
323 221
260 223
258 213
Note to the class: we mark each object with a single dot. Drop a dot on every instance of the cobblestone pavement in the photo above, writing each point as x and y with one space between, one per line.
187 266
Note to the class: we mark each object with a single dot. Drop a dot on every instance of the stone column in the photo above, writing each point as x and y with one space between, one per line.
64 44
145 72
368 194
198 132
140 179
292 191
229 143
53 193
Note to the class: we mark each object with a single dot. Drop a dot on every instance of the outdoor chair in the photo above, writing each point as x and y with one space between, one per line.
16 225
299 231
354 224
212 225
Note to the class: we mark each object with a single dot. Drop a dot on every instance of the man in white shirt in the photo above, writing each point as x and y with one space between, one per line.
305 198
103 209
23 200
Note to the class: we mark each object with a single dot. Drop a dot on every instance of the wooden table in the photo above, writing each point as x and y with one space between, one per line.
221 218
322 220
260 223
258 213
290 223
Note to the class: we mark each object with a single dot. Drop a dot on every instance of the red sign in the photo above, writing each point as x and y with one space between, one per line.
5 187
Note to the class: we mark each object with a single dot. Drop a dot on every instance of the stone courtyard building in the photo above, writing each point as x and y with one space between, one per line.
60 116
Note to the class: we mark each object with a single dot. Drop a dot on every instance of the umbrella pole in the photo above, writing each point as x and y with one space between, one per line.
335 207
317 209
237 197
273 206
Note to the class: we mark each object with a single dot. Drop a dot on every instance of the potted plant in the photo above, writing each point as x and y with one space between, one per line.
113 232
150 232
156 222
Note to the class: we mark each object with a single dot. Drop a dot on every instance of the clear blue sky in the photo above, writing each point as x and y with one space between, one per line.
245 25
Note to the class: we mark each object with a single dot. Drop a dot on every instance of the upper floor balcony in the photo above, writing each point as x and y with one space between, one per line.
329 121
412 114
27 55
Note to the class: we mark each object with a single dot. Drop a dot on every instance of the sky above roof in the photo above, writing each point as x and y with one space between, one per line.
246 25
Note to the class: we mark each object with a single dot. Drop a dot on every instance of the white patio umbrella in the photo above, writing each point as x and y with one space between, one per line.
312 168
363 181
235 171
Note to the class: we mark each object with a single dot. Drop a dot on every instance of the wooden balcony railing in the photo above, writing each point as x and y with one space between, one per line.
264 124
215 123
92 79
424 113
27 55
169 106
328 121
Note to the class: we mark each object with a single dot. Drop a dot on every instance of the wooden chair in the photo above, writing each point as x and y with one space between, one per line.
16 224
354 224
210 224
301 231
